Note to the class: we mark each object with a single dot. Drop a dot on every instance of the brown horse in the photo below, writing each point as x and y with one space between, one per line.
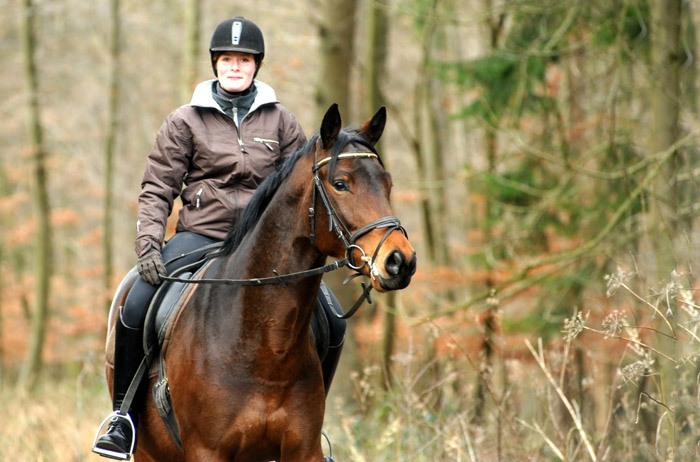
245 378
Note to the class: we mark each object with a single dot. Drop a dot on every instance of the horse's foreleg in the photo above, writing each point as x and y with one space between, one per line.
301 443
301 454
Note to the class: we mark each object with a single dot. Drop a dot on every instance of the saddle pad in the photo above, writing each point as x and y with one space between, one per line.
169 304
169 311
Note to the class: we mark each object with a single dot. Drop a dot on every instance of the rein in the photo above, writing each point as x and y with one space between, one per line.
278 279
347 238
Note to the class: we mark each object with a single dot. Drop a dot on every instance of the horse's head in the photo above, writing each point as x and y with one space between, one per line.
354 189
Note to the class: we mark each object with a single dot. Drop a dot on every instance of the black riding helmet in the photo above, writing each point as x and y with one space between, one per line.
237 34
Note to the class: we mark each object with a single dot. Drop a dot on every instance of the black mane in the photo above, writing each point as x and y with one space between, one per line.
267 189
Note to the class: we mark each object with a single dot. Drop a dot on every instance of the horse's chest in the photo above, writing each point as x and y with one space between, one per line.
264 420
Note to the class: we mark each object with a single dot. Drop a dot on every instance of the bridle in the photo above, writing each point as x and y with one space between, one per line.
335 223
347 238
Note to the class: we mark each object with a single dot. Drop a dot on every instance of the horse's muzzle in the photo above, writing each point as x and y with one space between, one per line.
398 270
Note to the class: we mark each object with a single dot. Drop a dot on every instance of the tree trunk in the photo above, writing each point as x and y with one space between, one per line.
337 36
33 364
661 254
193 19
337 32
421 93
378 38
664 131
110 143
491 322
436 123
437 129
378 32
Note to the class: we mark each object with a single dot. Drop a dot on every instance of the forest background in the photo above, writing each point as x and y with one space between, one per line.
545 162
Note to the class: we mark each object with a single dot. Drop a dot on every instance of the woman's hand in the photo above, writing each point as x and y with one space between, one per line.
150 266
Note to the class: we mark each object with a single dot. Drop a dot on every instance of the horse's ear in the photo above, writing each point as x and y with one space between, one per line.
330 127
373 128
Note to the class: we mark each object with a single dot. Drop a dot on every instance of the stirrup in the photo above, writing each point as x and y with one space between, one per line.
113 417
329 457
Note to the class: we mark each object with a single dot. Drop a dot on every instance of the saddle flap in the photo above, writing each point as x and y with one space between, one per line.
169 304
166 306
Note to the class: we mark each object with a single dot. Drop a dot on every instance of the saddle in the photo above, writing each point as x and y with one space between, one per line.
164 305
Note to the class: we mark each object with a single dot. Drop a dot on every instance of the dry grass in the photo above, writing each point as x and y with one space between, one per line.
58 421
619 384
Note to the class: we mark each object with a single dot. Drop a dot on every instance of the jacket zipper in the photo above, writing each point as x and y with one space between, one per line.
266 142
238 127
199 196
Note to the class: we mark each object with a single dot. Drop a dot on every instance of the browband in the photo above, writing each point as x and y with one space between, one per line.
347 155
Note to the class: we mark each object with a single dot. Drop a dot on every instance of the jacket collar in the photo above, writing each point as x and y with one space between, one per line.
202 96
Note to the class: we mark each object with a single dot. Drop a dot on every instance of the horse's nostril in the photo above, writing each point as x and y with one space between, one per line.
394 262
412 265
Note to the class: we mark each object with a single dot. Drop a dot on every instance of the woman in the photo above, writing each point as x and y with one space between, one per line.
220 146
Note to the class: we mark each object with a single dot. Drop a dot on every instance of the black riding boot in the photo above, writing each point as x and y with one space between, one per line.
128 353
330 364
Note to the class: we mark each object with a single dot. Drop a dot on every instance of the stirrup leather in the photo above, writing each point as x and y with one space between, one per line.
113 417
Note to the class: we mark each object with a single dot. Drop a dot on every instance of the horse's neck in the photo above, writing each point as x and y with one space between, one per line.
278 313
279 244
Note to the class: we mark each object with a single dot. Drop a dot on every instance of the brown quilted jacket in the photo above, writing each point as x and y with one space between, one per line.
219 164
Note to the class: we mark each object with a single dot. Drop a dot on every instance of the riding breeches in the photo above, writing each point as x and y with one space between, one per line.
177 252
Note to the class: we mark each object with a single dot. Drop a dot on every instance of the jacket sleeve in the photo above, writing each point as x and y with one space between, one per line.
166 167
292 136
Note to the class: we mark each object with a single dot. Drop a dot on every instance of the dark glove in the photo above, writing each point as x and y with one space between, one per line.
150 266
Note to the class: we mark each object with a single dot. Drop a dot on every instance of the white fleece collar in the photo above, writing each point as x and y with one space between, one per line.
202 95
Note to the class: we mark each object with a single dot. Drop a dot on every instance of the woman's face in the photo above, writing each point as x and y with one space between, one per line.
235 70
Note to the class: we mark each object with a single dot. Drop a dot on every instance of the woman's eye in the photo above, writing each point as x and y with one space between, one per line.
341 185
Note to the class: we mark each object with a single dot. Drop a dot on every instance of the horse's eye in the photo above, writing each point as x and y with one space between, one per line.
341 185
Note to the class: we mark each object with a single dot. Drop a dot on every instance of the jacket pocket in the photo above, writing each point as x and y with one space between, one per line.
268 143
197 196
209 209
